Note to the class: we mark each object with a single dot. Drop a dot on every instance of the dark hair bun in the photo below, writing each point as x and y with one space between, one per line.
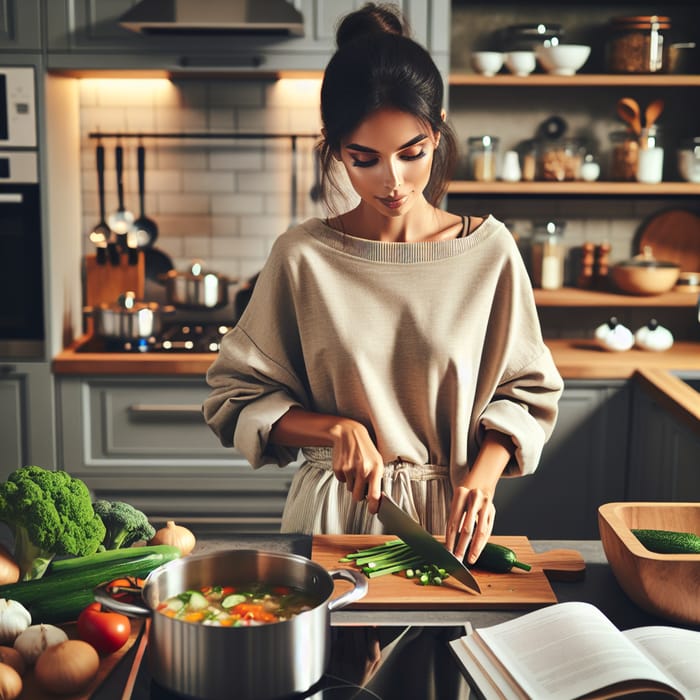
371 18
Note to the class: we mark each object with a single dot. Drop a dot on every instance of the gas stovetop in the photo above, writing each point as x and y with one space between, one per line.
174 338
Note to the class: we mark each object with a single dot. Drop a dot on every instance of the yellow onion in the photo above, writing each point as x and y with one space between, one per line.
67 668
176 536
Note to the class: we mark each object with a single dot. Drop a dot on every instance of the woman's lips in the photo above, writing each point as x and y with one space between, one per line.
393 202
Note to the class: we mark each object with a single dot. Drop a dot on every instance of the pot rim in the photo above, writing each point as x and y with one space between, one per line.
146 609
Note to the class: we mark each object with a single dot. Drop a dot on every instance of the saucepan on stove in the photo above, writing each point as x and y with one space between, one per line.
128 318
264 660
197 288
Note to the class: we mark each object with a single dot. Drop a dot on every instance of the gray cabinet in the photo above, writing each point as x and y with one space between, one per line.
85 34
582 466
20 25
664 454
27 434
145 441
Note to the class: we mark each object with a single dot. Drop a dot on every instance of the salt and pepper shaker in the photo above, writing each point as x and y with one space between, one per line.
602 263
510 170
585 278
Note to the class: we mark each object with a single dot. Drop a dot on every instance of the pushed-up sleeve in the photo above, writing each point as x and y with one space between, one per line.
521 394
258 374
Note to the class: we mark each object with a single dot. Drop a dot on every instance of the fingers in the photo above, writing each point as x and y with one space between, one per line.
470 523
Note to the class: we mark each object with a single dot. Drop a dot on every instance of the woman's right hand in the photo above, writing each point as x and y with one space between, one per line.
356 462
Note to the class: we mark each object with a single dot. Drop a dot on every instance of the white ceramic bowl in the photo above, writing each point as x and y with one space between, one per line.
487 62
562 59
520 62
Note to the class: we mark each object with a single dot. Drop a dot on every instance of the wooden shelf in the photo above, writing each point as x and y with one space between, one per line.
579 80
573 297
594 189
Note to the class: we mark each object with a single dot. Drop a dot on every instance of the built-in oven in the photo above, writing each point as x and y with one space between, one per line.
17 107
21 287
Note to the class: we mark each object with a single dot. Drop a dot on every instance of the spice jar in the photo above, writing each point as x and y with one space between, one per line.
637 44
483 151
624 155
548 254
561 160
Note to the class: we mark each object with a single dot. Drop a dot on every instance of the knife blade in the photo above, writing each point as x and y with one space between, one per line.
399 523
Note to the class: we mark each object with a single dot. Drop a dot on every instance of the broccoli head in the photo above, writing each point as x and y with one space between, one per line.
49 512
125 524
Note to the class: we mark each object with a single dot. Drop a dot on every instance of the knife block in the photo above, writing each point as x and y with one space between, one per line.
104 282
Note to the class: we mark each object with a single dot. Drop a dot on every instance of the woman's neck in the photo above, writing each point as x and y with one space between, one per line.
423 222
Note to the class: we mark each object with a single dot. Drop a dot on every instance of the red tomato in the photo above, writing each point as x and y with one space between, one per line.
105 631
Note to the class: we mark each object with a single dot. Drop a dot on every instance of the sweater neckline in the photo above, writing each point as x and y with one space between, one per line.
399 252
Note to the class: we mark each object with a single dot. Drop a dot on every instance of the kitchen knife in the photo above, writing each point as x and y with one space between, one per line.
398 523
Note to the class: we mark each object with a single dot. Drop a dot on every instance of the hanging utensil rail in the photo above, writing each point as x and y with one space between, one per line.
202 135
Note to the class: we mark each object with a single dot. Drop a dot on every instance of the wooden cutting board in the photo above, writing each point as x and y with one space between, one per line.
514 590
673 236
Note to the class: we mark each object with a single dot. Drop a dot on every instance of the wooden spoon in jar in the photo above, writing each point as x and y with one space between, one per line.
653 112
628 110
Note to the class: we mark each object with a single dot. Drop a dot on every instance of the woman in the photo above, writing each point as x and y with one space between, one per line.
396 343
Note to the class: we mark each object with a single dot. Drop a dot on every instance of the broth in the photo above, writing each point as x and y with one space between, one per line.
242 605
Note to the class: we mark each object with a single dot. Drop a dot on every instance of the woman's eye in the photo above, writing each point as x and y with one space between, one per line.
364 163
413 156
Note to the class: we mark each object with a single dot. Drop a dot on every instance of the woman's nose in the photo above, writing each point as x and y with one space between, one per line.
392 176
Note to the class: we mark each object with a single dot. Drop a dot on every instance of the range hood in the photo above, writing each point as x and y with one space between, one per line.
191 17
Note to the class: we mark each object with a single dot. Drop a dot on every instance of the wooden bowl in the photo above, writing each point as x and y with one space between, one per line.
667 585
644 274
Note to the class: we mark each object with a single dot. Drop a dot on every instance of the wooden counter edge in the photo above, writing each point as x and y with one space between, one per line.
673 394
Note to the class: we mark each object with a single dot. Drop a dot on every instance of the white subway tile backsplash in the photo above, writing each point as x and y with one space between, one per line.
227 200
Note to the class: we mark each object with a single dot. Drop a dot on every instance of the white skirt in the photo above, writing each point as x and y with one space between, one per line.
318 503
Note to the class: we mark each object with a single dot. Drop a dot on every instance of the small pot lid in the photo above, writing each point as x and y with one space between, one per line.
646 259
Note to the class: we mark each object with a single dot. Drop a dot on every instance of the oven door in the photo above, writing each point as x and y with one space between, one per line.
21 287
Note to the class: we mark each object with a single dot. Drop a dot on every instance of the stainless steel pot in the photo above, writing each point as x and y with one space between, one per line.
128 318
248 663
197 288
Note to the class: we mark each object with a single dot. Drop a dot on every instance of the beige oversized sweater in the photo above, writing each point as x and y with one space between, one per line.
427 344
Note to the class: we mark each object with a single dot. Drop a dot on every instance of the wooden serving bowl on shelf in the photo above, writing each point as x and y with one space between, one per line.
667 585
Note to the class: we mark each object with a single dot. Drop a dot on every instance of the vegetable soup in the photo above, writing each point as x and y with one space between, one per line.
238 606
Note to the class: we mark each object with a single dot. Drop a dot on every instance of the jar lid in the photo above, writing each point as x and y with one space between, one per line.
484 141
641 22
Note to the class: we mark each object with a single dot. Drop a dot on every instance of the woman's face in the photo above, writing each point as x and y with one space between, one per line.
388 159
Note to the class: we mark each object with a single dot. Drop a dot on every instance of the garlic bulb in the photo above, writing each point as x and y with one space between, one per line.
614 336
653 337
14 619
36 638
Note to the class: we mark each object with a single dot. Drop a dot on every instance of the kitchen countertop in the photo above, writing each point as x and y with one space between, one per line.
599 588
576 359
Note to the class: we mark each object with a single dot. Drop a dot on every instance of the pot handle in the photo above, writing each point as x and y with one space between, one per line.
358 591
130 607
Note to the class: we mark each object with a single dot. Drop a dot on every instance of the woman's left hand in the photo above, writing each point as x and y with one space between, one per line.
472 511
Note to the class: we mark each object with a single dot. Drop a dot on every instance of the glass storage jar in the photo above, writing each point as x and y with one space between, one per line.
624 155
548 254
482 154
638 44
561 160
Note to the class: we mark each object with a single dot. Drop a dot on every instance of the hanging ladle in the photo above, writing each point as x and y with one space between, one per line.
146 229
121 220
101 233
628 110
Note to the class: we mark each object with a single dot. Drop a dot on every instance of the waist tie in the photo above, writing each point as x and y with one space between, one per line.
399 480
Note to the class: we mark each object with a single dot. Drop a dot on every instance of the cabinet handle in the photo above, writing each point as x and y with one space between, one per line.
11 198
153 410
7 369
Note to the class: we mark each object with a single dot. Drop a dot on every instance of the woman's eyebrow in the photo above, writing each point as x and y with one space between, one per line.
366 149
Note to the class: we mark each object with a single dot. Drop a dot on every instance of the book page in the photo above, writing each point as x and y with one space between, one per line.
567 650
676 651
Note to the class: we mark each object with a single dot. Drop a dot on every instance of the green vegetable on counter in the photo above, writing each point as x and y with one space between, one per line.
668 541
395 556
68 587
125 524
49 513
499 559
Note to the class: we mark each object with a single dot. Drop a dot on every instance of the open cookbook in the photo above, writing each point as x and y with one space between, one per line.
572 650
